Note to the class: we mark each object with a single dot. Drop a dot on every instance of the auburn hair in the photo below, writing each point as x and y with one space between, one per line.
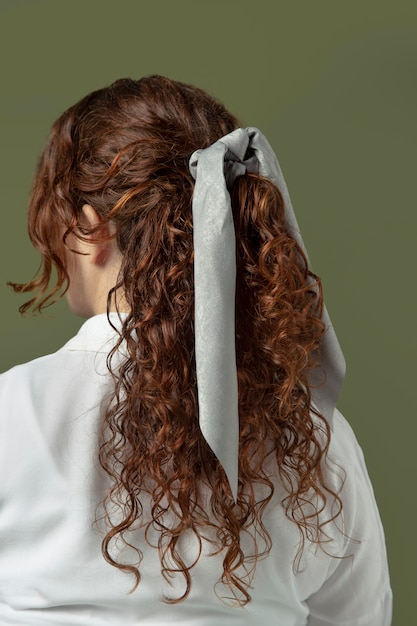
124 150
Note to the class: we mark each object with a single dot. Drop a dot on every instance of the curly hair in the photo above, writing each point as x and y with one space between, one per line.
124 150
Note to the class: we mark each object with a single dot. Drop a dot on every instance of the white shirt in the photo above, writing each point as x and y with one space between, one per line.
51 567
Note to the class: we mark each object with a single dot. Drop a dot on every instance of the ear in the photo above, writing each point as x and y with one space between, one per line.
97 251
89 217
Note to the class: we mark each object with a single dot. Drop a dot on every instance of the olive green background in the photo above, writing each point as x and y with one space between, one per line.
333 86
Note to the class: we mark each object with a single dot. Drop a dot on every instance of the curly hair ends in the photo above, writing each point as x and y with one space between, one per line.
124 150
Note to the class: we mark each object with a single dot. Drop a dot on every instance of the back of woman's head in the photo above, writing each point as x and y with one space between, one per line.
121 148
125 151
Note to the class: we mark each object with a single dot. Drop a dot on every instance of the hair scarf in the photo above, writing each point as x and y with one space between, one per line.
214 170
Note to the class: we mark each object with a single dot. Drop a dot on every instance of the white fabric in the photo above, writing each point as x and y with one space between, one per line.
51 567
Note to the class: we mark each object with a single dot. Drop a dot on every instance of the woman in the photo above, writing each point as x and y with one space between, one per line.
181 459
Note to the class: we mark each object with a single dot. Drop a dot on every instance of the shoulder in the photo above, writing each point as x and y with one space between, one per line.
32 390
344 445
95 337
20 374
346 460
50 388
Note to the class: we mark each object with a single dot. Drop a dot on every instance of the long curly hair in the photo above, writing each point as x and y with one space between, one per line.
125 150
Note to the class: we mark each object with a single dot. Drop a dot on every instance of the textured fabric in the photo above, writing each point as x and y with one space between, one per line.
215 169
51 568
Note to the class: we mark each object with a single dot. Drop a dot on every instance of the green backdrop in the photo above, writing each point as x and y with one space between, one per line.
333 86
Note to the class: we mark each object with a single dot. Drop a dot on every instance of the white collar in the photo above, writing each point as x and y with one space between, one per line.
96 334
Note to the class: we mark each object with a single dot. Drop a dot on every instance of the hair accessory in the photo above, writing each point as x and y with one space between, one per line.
214 170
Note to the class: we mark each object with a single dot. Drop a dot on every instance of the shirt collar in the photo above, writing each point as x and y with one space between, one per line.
96 334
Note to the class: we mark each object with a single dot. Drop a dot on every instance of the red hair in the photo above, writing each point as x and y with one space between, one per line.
124 150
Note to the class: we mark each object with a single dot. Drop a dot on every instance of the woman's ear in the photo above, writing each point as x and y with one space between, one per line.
96 240
89 217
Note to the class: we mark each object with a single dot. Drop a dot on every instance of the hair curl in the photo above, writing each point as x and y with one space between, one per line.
124 150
